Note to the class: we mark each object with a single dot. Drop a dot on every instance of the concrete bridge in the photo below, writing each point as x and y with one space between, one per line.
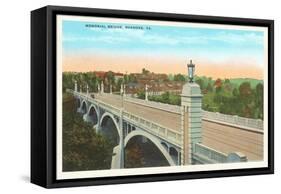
183 134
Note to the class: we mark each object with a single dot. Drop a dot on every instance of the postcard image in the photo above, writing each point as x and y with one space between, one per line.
145 97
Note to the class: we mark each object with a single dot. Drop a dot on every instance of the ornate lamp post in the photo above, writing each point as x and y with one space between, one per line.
75 86
191 69
87 86
146 92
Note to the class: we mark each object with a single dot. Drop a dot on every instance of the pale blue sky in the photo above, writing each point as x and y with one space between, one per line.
210 44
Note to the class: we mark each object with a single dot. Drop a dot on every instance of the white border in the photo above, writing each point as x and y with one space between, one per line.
155 170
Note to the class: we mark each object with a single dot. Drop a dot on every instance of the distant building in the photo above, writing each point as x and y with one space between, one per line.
118 76
100 74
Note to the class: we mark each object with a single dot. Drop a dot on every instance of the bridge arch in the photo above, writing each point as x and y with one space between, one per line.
84 107
154 140
93 114
110 116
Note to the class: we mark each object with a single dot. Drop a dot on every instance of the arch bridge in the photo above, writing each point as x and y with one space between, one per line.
183 134
128 125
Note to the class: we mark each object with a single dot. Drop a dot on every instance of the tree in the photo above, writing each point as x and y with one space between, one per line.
120 81
132 78
200 83
110 77
165 97
134 156
235 92
246 96
227 81
83 149
245 92
218 83
145 71
141 94
259 100
209 87
179 77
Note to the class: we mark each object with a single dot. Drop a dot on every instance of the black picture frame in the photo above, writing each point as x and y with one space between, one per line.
43 95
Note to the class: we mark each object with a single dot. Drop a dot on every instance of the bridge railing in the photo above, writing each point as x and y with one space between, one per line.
168 134
205 154
234 119
215 116
106 106
229 119
209 154
152 104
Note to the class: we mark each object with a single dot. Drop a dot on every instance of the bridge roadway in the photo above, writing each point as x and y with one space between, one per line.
166 119
221 137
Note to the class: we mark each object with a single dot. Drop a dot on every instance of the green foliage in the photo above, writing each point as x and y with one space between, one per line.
243 96
141 94
120 81
209 87
259 100
200 83
110 77
134 156
83 149
223 96
145 71
179 77
132 79
82 79
238 81
243 100
167 98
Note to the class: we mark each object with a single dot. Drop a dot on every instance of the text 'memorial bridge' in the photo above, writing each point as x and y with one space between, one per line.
183 134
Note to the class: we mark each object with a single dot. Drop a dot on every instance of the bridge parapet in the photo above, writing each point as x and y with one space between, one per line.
207 155
170 135
215 116
234 119
158 105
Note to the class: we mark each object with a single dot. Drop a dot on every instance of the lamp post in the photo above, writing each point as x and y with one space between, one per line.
191 69
75 86
146 92
122 94
122 158
102 87
98 88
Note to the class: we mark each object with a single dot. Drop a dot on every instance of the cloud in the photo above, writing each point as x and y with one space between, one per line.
233 38
146 37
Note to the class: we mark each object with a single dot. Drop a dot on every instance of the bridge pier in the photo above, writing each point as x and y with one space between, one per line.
80 109
116 157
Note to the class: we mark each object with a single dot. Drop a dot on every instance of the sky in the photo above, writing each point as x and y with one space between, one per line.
123 47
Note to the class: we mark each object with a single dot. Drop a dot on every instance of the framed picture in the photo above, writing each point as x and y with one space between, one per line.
126 96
